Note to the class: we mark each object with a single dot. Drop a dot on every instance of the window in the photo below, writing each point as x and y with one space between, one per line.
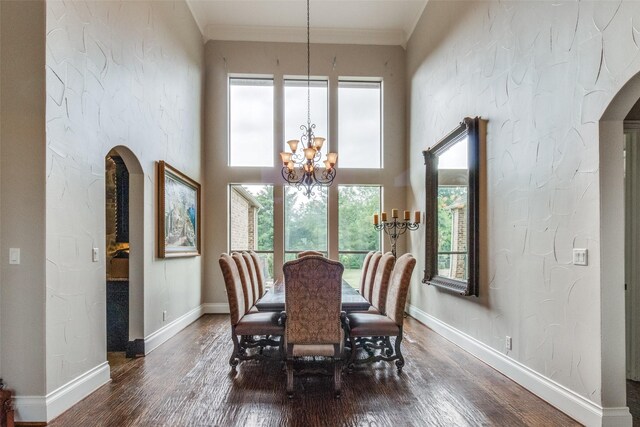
356 234
295 110
305 222
251 122
251 222
360 124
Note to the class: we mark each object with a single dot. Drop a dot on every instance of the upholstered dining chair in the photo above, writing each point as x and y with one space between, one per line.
259 274
380 285
371 275
307 253
253 276
362 325
245 279
314 321
243 323
365 267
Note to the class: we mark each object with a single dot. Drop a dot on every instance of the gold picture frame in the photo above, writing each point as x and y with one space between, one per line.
178 233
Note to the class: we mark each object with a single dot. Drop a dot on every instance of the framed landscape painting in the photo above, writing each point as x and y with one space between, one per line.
178 213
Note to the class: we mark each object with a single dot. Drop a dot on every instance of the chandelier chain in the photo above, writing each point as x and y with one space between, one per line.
308 71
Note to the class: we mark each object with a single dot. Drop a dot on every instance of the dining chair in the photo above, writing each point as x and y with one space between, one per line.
314 321
380 285
365 267
245 324
259 274
253 276
371 275
361 325
307 253
247 287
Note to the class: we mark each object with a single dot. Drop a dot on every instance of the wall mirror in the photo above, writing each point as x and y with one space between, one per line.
452 209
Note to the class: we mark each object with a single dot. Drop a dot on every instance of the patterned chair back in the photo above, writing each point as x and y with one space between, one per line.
235 293
245 279
371 275
365 267
259 275
307 253
381 282
399 287
252 275
313 300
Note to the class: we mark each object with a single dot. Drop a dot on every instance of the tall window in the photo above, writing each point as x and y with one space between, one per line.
305 222
295 109
356 234
251 222
251 122
360 124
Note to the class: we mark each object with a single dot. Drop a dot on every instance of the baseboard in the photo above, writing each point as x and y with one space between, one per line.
35 409
152 341
215 308
566 400
30 409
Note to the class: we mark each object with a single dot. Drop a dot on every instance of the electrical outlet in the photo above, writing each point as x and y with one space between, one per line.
164 316
580 256
14 255
508 343
95 255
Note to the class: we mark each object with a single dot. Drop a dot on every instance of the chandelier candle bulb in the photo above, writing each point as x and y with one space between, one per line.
293 144
417 217
383 216
376 221
407 215
394 213
332 158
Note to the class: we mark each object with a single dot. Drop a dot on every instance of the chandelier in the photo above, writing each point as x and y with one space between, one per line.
301 167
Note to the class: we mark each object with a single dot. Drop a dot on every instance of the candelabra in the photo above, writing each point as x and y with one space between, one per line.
395 229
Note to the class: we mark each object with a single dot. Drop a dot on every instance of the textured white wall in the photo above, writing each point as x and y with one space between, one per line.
542 73
118 74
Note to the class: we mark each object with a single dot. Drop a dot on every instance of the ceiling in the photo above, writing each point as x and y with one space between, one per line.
387 22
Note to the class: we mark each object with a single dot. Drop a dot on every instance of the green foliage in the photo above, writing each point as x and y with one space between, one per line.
305 220
356 206
447 195
265 218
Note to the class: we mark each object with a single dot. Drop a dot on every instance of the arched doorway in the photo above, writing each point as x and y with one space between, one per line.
612 248
124 226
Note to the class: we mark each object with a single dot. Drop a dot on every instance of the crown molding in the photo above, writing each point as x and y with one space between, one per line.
299 35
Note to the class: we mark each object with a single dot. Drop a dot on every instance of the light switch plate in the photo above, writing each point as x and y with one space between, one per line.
14 255
580 256
95 254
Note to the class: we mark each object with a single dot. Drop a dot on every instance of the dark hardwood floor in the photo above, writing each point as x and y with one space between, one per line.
187 382
633 400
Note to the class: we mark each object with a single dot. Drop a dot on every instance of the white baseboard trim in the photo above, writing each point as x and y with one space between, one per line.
46 408
568 401
158 337
215 308
30 408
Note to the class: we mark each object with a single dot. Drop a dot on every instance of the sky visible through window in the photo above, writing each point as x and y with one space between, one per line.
359 126
251 122
295 111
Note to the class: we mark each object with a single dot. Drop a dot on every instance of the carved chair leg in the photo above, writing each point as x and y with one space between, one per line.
400 361
234 360
289 379
354 351
337 378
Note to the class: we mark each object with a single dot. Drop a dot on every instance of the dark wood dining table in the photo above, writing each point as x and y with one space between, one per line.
273 299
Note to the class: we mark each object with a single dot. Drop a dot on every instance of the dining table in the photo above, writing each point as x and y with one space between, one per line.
273 299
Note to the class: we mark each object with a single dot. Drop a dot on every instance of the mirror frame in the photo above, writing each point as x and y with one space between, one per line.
469 127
